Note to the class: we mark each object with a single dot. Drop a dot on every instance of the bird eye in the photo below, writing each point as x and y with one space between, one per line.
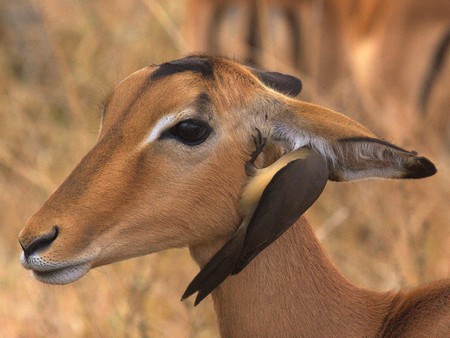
191 132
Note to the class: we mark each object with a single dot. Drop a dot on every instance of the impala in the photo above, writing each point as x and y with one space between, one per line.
207 153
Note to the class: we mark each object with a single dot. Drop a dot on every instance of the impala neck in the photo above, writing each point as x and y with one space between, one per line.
291 289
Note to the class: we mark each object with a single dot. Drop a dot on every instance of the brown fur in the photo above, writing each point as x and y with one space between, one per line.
128 198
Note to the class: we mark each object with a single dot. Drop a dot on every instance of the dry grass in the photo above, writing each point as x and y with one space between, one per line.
57 60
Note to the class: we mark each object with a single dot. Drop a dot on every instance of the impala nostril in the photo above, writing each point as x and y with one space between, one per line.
40 243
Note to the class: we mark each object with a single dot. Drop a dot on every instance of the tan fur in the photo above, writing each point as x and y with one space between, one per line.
128 198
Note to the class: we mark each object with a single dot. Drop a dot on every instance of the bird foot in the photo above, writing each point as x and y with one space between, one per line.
260 143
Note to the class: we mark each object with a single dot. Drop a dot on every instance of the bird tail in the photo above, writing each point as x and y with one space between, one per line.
218 268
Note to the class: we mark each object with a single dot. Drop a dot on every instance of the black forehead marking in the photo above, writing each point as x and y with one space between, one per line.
199 65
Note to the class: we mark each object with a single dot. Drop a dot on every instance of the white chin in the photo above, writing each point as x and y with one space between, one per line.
62 276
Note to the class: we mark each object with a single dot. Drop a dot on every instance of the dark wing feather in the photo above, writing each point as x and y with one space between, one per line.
292 190
218 268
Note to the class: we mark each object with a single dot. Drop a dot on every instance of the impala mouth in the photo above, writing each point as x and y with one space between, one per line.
53 272
62 276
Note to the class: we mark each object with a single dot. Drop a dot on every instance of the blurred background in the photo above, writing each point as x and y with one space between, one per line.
384 63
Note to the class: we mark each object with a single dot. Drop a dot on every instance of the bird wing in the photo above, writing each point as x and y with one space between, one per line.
292 190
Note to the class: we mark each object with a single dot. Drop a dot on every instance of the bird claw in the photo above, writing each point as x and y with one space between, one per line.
260 143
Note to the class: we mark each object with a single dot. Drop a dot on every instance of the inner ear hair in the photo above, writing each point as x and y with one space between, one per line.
373 140
363 157
358 157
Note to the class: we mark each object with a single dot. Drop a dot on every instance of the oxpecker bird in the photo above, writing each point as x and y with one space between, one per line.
273 199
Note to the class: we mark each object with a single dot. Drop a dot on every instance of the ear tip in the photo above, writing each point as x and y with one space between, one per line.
297 86
420 168
283 83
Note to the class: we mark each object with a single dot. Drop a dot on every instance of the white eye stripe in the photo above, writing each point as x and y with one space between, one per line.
166 122
160 126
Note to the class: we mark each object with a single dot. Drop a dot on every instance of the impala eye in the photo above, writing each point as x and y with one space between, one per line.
191 132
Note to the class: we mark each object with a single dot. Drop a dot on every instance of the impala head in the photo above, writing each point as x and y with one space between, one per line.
169 164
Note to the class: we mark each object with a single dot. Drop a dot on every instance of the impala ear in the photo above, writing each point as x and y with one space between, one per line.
352 151
286 84
357 158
